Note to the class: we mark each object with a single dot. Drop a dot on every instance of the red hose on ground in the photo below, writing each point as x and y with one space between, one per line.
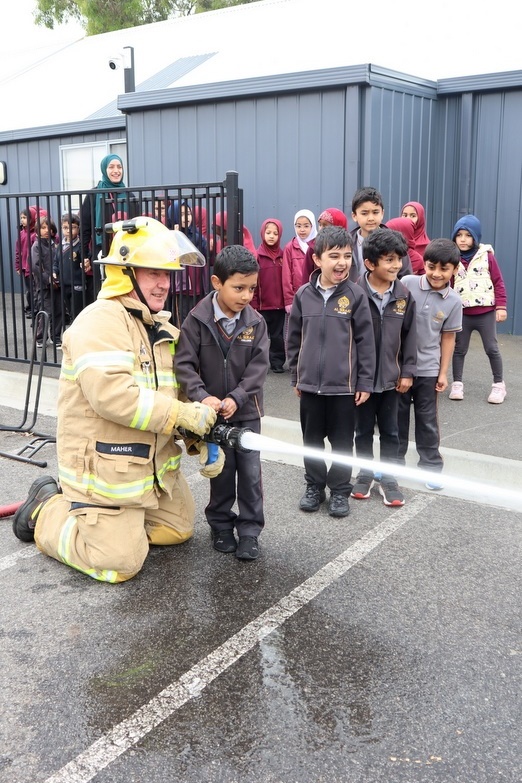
8 511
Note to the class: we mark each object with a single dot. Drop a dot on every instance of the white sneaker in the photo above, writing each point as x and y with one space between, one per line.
457 391
498 393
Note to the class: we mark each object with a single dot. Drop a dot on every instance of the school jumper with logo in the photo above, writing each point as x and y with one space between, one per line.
331 355
210 362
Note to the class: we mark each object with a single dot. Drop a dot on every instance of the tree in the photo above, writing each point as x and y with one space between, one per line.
103 16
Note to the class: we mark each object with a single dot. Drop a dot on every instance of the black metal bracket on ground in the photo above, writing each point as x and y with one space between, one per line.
26 453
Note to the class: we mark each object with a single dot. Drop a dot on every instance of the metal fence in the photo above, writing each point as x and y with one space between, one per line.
26 288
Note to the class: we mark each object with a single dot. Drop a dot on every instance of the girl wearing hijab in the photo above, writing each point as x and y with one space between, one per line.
100 208
415 212
328 217
294 254
268 296
406 228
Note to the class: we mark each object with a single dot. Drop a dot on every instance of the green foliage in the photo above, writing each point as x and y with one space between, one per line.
103 16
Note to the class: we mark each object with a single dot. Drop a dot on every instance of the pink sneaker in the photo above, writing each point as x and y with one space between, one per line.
457 391
498 393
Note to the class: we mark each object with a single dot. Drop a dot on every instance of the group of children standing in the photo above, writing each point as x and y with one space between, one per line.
370 339
367 333
53 276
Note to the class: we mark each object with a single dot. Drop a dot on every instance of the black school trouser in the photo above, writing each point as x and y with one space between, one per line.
246 467
275 322
381 408
331 417
427 434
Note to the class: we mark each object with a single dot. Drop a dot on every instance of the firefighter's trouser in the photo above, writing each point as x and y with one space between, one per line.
111 544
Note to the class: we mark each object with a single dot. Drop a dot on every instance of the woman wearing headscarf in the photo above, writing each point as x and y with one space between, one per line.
100 208
414 211
406 228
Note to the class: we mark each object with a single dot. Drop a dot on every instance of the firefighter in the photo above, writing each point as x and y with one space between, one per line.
120 487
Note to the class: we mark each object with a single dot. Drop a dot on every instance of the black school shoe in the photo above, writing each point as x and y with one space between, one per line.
338 505
312 498
25 518
247 548
224 541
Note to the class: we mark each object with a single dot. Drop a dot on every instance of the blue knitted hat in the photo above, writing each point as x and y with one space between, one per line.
471 224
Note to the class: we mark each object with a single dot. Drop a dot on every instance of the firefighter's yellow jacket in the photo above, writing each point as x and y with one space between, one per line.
117 405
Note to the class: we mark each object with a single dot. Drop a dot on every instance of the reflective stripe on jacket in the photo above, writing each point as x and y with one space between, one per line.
117 386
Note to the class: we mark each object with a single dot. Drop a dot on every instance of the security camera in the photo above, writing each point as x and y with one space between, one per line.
116 62
121 59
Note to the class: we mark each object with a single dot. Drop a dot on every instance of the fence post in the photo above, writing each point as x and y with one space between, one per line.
234 216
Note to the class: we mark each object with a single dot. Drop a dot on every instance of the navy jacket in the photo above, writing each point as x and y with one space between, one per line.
202 368
395 335
331 347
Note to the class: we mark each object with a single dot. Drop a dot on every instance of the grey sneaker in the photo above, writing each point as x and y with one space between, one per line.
362 487
25 518
391 494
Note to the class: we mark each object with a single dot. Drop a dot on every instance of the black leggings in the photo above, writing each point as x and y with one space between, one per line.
486 325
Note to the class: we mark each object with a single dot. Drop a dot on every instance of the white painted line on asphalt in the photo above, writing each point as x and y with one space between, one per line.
11 560
132 730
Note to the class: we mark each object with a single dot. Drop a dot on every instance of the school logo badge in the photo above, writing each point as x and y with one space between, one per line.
247 335
439 316
400 306
343 306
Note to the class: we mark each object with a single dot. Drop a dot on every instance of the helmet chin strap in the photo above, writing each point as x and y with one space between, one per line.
130 272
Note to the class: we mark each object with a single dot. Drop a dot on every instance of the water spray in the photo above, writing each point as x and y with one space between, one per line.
243 439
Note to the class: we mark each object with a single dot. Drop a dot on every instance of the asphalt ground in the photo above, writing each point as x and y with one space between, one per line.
384 647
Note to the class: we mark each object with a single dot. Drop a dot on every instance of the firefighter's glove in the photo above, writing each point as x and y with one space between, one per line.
215 468
195 417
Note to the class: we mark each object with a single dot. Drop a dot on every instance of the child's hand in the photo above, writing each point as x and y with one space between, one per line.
501 315
228 408
213 402
361 397
297 391
442 383
404 385
87 265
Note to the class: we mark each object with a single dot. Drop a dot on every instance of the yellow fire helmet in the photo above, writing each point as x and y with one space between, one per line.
144 243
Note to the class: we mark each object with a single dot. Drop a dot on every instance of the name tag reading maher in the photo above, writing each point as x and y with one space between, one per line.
125 449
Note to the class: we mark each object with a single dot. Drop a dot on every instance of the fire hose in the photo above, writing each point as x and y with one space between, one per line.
219 435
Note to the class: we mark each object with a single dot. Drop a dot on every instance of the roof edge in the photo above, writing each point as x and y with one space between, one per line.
65 129
287 82
480 82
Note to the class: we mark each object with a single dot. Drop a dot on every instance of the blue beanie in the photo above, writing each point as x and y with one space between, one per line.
471 224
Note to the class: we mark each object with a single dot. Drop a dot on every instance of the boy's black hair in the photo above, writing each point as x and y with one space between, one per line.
232 259
71 217
330 237
366 194
381 242
442 251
